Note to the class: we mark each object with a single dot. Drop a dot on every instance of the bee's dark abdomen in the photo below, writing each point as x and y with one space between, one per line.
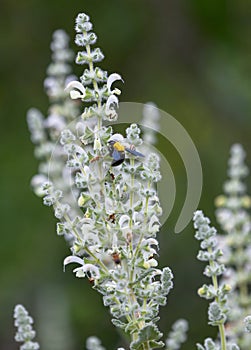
117 162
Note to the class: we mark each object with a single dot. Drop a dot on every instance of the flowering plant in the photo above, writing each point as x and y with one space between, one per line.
102 187
113 228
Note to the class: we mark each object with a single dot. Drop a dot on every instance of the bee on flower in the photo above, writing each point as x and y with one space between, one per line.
117 149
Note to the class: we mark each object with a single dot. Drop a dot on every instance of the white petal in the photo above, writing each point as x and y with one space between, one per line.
153 262
79 272
113 77
124 221
154 224
109 205
87 170
116 137
79 149
73 259
152 241
110 101
75 94
38 180
116 92
75 85
92 269
54 121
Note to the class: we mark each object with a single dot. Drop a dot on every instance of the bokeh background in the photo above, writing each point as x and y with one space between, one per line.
193 59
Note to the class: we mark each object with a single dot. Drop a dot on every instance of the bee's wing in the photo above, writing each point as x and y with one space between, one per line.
116 155
134 152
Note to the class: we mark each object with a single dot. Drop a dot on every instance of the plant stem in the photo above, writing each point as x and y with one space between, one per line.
220 326
222 337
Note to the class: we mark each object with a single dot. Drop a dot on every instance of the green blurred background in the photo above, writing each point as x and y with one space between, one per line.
193 59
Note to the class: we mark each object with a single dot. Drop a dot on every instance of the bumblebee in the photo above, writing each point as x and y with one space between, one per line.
117 150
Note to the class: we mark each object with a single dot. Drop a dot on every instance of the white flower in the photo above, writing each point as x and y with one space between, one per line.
113 77
72 259
149 242
154 224
124 221
111 103
54 121
82 271
150 263
76 89
37 183
116 138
